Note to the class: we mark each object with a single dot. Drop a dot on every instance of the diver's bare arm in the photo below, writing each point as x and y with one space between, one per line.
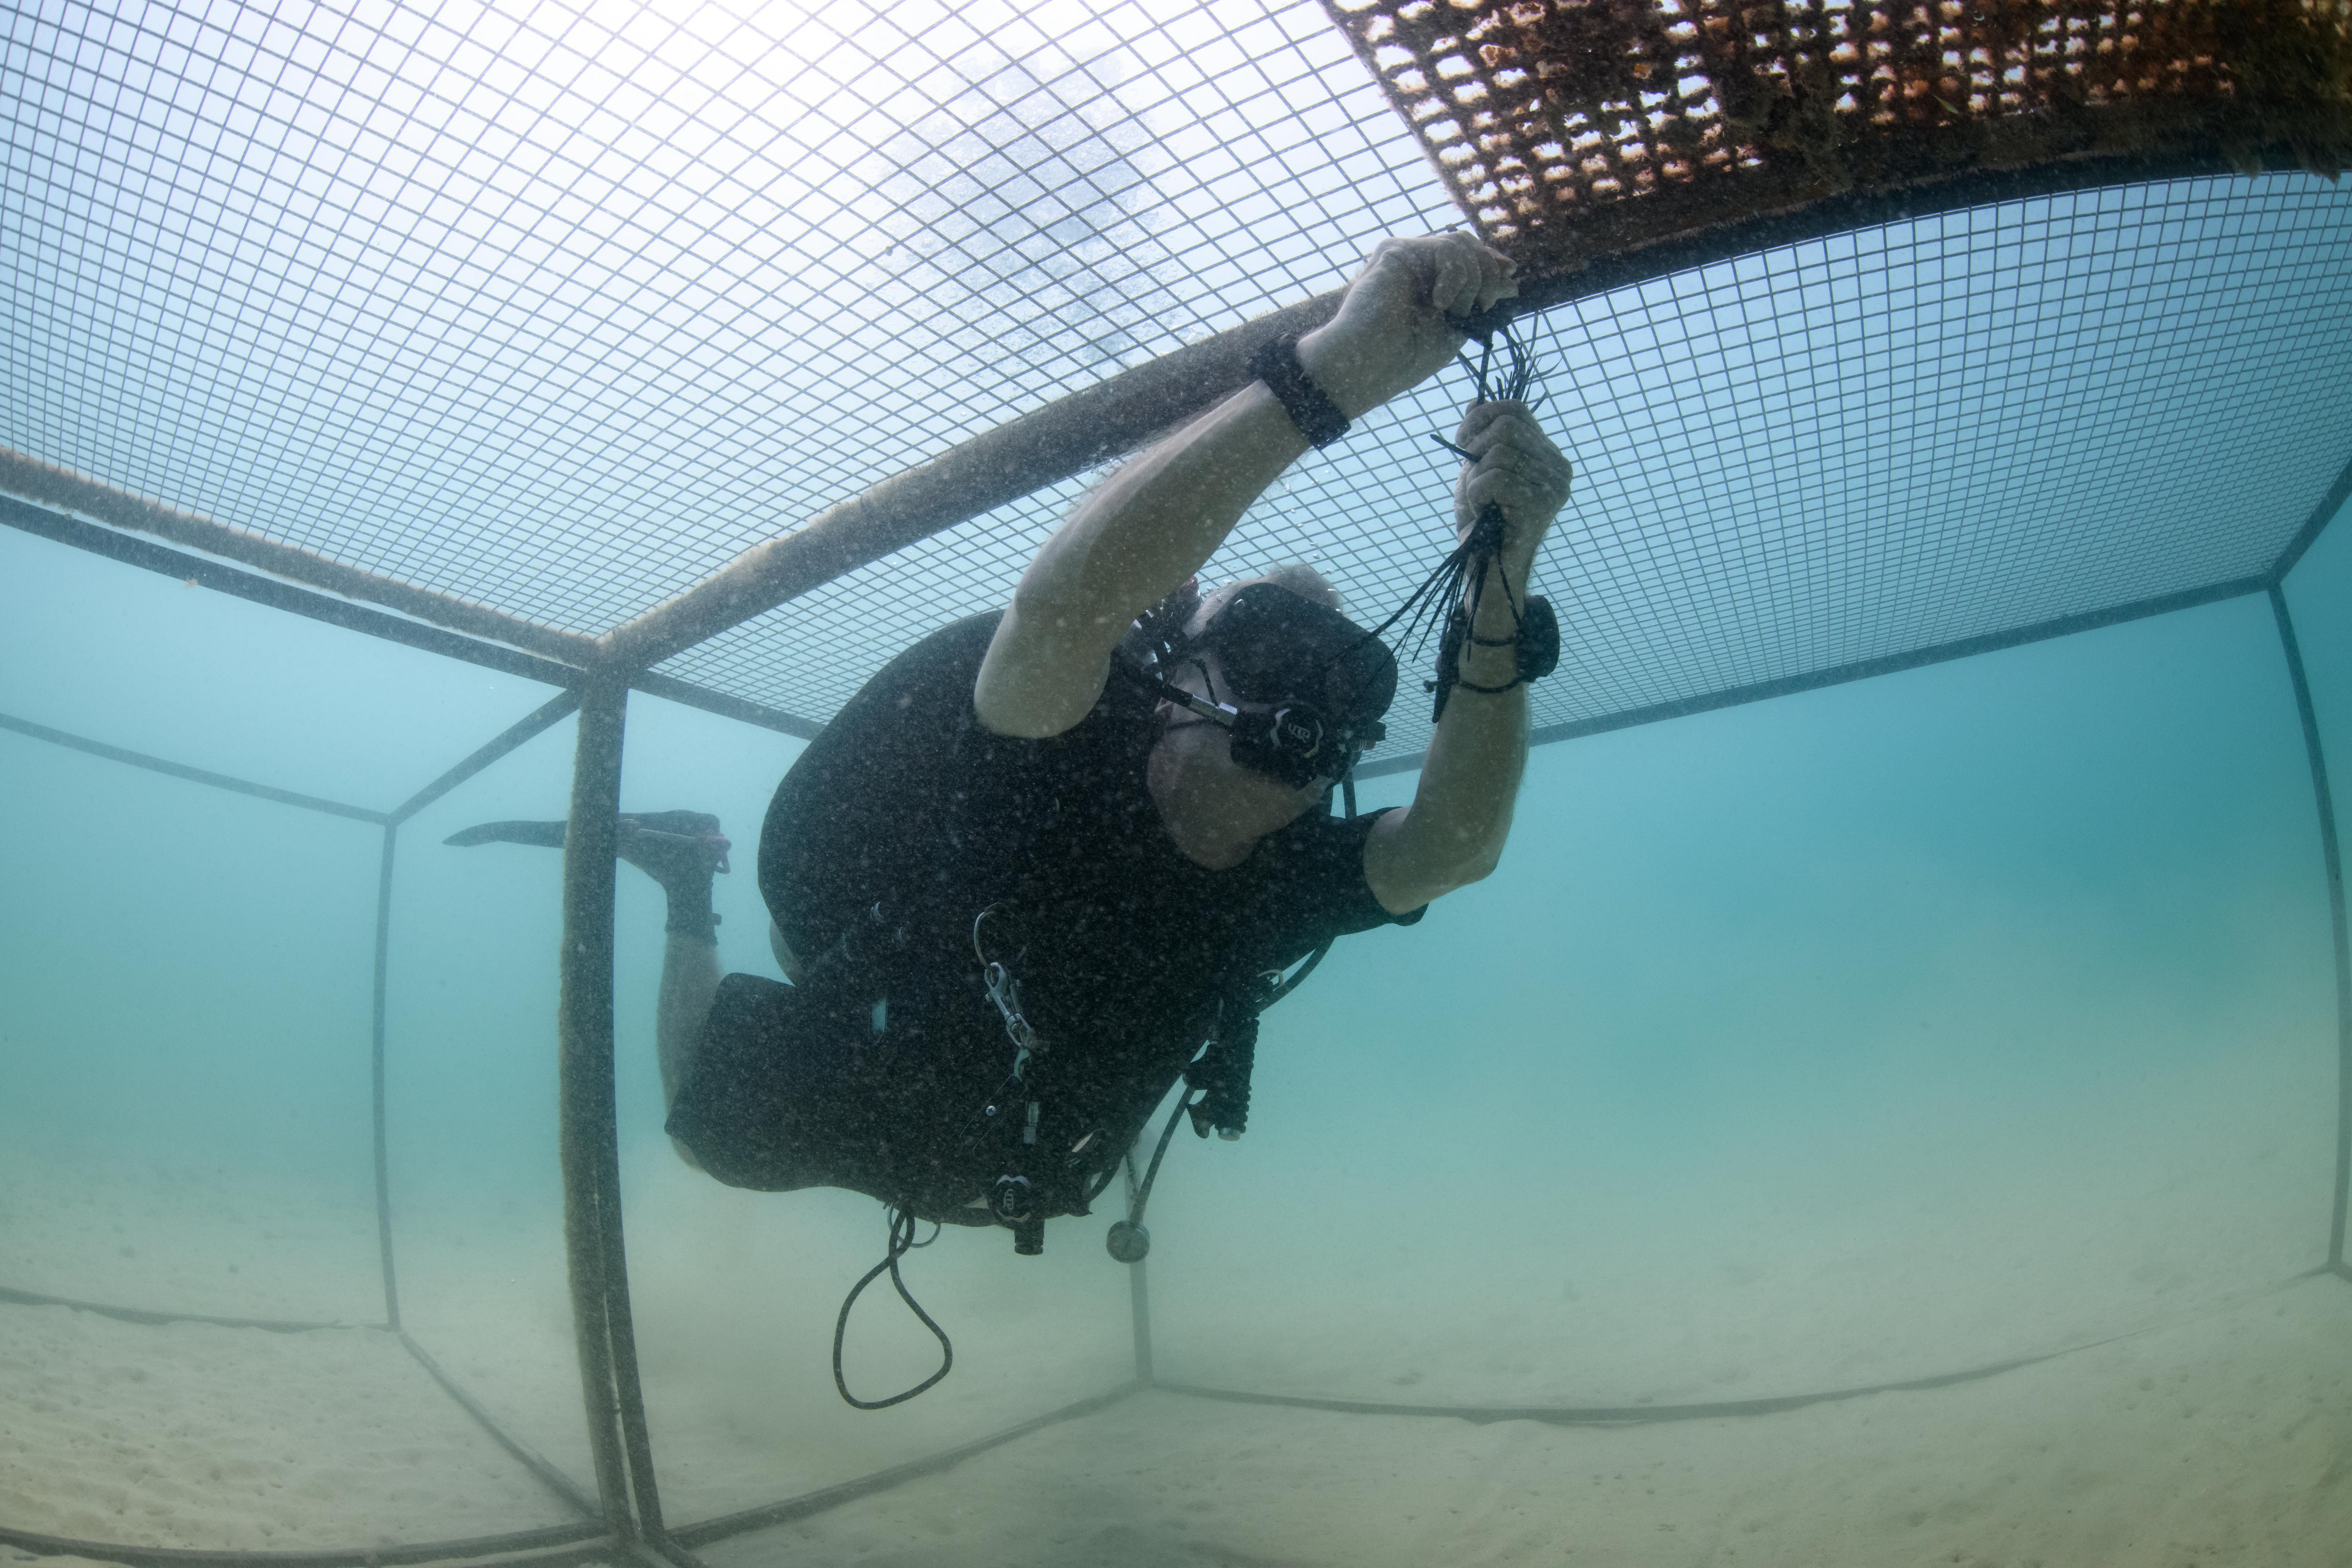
1158 520
1132 541
1454 832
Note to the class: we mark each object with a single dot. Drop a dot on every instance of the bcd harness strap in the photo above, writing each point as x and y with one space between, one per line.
1012 1198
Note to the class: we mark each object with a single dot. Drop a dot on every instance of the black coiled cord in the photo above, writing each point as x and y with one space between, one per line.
902 1241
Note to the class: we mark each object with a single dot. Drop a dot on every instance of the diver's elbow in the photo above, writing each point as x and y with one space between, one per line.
1462 872
1483 853
1477 869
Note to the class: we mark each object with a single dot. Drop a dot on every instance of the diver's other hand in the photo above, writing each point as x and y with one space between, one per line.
1518 468
1396 325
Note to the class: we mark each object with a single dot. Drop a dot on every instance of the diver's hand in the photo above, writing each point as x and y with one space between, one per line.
1393 329
1516 469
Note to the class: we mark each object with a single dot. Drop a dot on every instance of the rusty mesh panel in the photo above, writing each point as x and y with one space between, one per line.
1569 128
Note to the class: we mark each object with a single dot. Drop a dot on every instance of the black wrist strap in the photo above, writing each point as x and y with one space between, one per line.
1276 362
1537 642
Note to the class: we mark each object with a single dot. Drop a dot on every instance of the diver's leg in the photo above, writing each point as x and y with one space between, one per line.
786 959
682 851
690 980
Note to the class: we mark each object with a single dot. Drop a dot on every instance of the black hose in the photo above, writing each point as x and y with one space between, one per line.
902 1240
1299 974
1152 1174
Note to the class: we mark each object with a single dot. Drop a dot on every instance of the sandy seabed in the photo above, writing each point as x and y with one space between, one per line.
2226 1439
2214 1429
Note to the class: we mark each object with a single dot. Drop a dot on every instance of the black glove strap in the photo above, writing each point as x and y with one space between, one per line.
1276 362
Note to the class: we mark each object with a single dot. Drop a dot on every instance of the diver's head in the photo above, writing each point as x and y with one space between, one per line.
1302 687
1296 576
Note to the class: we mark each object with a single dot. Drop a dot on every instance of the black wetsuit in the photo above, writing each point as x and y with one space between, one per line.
893 831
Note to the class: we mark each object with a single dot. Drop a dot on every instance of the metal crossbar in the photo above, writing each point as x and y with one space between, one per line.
1697 1410
183 771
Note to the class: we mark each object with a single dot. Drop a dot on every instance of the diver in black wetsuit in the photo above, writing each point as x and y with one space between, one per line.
1046 854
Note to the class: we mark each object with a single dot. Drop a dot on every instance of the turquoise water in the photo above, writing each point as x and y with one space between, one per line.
1863 1035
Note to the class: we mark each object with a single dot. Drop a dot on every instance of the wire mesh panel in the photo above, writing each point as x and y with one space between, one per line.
559 308
183 1143
1805 458
559 305
1965 1008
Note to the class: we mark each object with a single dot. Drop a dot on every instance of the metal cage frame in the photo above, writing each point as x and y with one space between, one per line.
594 677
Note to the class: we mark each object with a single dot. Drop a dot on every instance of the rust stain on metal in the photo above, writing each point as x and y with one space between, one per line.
1569 128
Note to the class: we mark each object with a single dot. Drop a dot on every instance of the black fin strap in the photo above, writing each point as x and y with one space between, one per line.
700 924
902 1241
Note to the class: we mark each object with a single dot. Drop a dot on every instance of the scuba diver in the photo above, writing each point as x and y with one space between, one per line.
1051 860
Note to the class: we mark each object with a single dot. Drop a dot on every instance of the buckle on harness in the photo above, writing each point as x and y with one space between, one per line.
1005 992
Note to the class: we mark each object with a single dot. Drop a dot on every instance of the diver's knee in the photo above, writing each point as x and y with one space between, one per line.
785 959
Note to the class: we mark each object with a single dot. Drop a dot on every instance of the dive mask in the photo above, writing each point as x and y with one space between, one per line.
1307 685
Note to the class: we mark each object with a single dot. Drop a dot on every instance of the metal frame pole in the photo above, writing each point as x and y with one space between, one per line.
202 571
383 1153
57 489
2332 856
170 769
482 757
1138 1288
590 1136
584 1035
1139 1292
